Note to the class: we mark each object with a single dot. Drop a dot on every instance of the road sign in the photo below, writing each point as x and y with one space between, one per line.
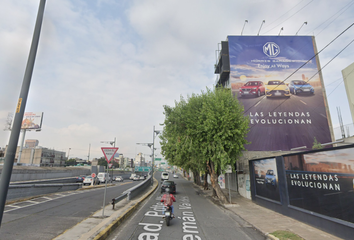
93 175
109 152
157 159
142 169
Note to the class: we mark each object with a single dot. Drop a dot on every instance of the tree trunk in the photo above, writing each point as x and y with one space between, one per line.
197 178
214 183
206 186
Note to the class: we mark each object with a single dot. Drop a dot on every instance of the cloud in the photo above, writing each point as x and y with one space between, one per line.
104 69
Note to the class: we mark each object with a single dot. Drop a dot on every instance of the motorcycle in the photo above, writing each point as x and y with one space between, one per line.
168 215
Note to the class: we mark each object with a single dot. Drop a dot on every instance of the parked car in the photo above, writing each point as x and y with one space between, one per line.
168 184
252 88
88 181
119 179
277 88
164 176
270 178
80 178
299 86
175 175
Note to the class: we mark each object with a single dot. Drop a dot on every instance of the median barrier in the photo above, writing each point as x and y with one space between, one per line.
132 192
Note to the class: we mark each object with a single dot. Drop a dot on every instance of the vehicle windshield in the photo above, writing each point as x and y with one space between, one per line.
300 83
270 172
251 84
276 83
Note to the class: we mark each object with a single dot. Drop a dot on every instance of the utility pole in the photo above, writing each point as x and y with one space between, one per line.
20 109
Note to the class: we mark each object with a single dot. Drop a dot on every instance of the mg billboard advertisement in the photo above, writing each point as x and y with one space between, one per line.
322 182
266 178
277 80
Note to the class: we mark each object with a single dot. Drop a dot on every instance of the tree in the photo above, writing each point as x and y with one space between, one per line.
102 162
205 133
70 162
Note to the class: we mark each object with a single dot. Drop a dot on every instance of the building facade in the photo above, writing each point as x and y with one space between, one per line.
40 156
348 78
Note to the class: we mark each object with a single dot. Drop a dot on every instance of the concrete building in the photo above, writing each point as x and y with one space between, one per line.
348 78
139 160
40 156
31 143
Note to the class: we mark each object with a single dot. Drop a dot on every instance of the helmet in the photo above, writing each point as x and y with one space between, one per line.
167 190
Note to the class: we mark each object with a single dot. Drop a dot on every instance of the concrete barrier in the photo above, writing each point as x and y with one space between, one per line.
20 191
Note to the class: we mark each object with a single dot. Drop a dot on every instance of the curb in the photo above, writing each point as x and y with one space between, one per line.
270 236
104 233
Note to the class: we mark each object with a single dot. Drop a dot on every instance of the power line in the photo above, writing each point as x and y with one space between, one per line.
341 81
290 16
305 64
342 10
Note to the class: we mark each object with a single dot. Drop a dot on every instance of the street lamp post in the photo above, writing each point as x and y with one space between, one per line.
152 147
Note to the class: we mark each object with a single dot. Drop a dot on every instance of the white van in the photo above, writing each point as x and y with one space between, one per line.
132 176
164 176
103 177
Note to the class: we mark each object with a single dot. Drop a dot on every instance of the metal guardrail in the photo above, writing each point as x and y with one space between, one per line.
132 192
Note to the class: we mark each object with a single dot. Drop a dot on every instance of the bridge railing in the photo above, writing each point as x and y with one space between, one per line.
133 192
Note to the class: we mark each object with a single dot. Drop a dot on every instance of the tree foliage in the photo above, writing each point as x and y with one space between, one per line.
102 162
70 162
316 144
205 133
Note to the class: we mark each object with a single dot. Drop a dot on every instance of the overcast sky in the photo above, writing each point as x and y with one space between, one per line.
105 68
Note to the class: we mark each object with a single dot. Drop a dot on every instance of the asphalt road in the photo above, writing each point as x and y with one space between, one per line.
47 217
196 218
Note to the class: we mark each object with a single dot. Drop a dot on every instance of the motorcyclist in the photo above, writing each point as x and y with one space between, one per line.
168 200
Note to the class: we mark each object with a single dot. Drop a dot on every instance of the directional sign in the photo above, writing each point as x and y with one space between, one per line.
109 152
157 159
142 169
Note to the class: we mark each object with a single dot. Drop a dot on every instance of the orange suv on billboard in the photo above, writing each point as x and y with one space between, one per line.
252 88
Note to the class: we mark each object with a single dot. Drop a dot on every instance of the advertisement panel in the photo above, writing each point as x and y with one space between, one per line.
266 178
32 120
322 182
276 79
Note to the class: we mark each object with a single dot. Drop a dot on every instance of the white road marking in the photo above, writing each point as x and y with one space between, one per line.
303 102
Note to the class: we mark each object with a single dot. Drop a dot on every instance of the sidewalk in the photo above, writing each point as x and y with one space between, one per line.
97 227
255 215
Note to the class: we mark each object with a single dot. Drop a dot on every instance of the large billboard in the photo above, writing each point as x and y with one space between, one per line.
277 80
322 182
32 120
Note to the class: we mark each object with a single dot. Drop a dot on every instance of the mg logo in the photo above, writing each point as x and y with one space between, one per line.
271 49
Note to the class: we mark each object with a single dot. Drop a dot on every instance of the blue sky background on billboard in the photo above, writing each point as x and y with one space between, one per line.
105 68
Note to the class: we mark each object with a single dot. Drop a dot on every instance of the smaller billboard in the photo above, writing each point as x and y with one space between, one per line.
322 182
266 178
32 120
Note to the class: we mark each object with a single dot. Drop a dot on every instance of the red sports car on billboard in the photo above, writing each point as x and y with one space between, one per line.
252 88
